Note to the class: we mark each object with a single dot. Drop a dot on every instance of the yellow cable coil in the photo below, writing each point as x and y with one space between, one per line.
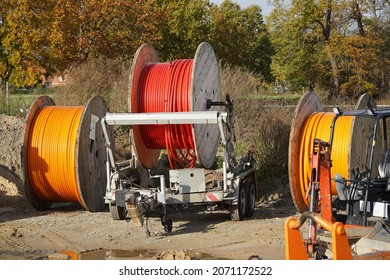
318 125
52 154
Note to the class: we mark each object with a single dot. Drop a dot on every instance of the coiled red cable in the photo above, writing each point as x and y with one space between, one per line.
165 87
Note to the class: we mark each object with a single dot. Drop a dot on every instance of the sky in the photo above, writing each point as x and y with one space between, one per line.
245 3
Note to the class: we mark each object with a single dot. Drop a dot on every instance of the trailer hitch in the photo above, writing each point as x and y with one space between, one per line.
295 245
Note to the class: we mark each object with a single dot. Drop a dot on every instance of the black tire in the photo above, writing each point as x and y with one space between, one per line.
250 189
117 212
237 209
168 225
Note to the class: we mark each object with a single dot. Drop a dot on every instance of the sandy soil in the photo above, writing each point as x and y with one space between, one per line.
29 234
198 233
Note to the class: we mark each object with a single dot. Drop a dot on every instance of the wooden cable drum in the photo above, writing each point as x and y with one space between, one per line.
361 131
178 86
63 157
312 122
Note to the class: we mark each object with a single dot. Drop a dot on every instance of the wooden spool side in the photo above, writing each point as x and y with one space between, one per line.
205 84
361 131
145 54
39 103
91 155
308 104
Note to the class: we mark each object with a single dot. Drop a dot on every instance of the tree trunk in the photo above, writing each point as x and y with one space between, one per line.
335 71
357 15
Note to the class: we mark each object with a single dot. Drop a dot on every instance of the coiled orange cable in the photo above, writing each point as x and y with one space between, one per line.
165 87
52 154
318 125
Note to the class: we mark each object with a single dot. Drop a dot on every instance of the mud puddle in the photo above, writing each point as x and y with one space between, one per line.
108 254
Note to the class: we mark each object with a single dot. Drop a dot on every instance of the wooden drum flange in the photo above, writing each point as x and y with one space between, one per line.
308 104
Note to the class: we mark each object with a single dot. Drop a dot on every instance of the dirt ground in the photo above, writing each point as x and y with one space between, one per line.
198 233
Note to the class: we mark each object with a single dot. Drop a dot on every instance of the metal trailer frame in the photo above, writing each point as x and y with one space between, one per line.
236 190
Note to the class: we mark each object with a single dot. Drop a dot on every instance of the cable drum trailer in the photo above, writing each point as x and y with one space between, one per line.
234 190
170 107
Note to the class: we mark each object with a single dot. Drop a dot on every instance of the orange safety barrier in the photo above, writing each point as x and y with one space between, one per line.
318 125
165 87
52 152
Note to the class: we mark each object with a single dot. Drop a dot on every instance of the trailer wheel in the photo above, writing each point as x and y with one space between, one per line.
238 209
166 222
117 212
168 225
250 189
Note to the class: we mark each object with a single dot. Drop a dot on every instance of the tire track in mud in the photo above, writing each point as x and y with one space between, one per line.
13 244
33 238
54 239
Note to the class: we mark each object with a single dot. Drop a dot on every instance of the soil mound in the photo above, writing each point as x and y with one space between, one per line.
11 143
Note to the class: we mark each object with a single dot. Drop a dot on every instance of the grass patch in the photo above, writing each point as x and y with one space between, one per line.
294 98
18 102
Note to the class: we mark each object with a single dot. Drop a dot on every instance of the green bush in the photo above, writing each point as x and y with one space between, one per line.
259 127
107 78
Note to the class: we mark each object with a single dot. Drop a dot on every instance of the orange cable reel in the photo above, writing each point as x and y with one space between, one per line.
62 154
311 122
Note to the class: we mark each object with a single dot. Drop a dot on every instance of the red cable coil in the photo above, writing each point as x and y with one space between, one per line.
165 87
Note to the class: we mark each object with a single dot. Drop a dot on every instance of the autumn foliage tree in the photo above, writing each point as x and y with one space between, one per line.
49 36
339 46
23 40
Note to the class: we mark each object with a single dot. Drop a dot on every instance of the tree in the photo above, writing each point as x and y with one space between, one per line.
327 38
50 36
240 37
183 25
377 25
63 33
24 40
113 28
296 46
3 57
259 49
